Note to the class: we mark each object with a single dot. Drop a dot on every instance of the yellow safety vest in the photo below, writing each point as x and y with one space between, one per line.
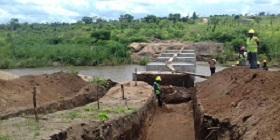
252 45
157 88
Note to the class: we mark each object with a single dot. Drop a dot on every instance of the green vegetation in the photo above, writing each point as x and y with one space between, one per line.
4 138
99 82
94 41
103 116
34 126
72 115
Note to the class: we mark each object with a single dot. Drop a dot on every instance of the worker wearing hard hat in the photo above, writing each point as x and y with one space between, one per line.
157 90
212 65
264 66
252 48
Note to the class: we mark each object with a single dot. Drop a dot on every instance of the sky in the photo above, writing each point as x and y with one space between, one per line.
42 11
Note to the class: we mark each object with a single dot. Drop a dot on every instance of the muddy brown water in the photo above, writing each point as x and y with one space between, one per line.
115 73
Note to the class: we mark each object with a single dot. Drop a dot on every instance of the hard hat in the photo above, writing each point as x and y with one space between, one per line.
251 31
214 60
264 61
237 62
258 62
158 78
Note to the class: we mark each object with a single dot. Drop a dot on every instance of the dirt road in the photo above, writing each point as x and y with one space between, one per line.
173 123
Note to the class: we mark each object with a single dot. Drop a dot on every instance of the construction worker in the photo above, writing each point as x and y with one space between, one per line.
265 67
237 63
252 48
212 65
242 52
157 90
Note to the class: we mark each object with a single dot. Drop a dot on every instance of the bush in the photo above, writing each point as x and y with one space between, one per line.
101 35
237 43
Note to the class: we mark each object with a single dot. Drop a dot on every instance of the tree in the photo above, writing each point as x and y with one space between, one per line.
151 19
195 16
14 23
126 18
100 20
174 17
185 19
262 14
87 20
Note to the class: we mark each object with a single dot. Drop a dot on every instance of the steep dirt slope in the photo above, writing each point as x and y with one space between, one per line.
245 103
55 92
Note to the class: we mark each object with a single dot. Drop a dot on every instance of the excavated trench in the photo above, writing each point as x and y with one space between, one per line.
182 118
234 104
175 119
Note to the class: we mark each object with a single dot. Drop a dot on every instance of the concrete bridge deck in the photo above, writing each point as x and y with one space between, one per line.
183 60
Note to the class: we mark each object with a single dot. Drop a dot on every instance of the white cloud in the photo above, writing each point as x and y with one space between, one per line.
72 10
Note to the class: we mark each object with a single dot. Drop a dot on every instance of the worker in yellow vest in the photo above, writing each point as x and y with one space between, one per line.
157 90
252 48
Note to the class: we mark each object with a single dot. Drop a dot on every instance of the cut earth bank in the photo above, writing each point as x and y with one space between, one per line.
54 92
238 104
116 118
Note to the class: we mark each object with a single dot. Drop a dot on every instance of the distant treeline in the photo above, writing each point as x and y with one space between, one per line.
95 41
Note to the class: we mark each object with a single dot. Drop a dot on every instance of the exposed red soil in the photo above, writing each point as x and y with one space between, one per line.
248 99
176 95
175 122
55 92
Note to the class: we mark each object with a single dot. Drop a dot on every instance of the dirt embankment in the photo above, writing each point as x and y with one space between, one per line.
238 103
54 92
117 119
151 50
126 127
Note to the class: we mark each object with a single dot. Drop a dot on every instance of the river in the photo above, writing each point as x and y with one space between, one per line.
116 73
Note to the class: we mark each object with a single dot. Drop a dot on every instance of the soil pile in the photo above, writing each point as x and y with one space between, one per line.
247 100
176 95
54 92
